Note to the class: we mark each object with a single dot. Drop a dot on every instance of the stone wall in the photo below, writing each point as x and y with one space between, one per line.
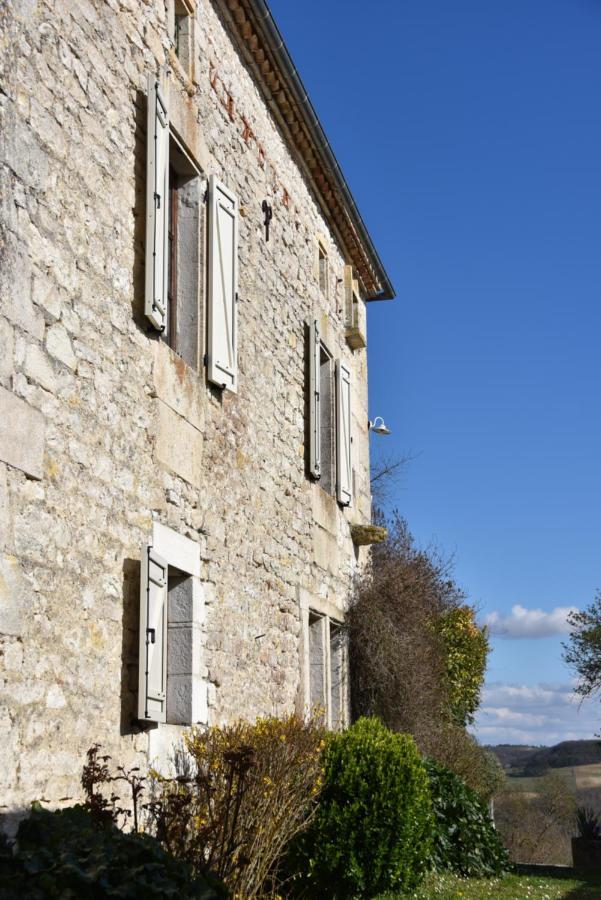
103 430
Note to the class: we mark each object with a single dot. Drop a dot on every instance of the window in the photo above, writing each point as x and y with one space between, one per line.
317 662
354 311
174 203
327 419
330 439
324 281
182 33
327 659
185 216
170 685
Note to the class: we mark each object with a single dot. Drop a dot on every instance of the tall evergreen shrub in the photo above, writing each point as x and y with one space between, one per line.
464 838
372 830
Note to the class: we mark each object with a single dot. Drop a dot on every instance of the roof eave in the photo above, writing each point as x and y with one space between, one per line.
262 44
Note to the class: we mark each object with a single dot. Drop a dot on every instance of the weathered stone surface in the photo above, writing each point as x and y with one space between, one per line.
363 535
6 349
12 597
21 434
59 346
135 441
38 368
177 385
179 445
4 509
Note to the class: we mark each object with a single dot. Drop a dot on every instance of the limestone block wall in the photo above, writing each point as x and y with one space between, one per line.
104 430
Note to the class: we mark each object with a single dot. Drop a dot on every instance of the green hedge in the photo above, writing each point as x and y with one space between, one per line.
371 831
464 837
65 855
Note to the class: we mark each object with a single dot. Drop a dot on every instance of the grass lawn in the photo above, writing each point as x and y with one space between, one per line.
512 887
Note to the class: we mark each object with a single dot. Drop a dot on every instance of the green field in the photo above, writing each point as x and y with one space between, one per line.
578 778
512 887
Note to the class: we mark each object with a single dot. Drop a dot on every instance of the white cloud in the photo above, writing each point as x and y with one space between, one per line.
529 696
529 623
535 714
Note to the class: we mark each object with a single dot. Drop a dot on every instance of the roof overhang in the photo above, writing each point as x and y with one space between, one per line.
262 47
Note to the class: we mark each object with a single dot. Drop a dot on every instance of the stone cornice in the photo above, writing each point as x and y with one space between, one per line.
261 44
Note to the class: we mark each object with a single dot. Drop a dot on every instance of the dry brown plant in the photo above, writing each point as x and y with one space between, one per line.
536 826
397 657
243 793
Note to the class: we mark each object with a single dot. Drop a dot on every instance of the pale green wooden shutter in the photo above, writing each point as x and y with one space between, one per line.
157 205
314 401
152 690
222 286
344 463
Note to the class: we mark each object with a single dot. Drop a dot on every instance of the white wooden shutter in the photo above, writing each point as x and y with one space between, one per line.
223 286
157 205
314 401
344 463
152 690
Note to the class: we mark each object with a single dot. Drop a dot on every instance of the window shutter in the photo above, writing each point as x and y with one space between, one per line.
223 286
152 691
344 465
314 401
157 203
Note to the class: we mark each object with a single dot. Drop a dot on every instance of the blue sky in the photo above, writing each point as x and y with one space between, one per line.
470 134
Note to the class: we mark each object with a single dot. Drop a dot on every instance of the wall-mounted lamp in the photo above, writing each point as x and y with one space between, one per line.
378 426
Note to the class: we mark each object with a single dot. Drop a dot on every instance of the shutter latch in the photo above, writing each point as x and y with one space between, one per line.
151 632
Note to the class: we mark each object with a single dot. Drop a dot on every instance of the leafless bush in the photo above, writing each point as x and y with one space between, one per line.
536 826
397 658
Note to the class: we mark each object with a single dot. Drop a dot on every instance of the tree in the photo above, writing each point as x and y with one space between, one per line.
583 651
386 472
417 655
466 648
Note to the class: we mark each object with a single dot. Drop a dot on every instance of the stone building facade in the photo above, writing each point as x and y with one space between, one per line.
183 384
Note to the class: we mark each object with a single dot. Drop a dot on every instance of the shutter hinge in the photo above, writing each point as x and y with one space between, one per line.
205 360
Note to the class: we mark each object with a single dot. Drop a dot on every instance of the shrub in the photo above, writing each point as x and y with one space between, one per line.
536 825
398 670
464 837
466 648
371 831
65 854
417 655
459 751
588 824
244 791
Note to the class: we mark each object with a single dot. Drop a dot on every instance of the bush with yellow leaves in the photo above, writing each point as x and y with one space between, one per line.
242 793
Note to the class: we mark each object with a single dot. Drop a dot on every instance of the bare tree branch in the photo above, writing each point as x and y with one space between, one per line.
386 472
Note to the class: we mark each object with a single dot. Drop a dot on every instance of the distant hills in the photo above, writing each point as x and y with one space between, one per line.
518 759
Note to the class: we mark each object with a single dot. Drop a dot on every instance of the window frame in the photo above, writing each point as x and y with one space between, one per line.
323 270
327 421
331 620
182 16
186 689
182 170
